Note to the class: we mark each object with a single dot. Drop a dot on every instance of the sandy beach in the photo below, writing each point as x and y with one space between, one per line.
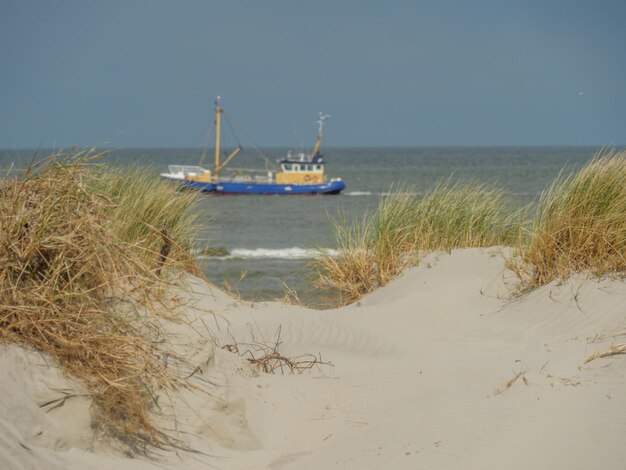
442 368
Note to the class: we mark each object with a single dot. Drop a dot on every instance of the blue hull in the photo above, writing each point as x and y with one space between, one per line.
227 188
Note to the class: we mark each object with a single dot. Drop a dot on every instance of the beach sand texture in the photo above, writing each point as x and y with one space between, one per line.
439 369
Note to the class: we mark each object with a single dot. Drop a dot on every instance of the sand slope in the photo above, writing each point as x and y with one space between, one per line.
419 380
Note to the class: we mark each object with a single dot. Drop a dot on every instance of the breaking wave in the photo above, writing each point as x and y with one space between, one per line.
294 253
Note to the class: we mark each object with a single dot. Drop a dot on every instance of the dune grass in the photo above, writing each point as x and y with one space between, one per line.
463 215
377 248
146 211
74 246
579 226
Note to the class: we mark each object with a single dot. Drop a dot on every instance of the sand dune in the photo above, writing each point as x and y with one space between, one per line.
440 369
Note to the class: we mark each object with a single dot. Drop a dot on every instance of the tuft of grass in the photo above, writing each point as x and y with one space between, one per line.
463 215
74 248
376 249
147 211
580 225
352 272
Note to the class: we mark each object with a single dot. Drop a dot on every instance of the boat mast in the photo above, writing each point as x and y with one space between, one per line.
218 112
320 134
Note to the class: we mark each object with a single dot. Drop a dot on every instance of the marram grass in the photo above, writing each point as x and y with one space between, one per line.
377 248
579 226
463 216
74 246
146 209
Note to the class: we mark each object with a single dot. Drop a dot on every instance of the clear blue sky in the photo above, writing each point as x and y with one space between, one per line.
144 73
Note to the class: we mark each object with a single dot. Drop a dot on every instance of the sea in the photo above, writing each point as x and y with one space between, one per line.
262 245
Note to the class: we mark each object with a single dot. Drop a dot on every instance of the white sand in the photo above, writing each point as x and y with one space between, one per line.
419 381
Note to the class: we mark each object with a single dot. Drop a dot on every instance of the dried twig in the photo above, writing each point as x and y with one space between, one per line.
511 382
266 356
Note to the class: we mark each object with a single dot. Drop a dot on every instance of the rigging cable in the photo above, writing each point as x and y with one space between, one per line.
230 128
233 124
206 144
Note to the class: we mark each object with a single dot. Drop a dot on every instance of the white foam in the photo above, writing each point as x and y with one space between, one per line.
294 253
384 193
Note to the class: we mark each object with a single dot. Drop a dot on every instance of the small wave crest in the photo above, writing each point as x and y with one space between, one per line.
294 253
358 193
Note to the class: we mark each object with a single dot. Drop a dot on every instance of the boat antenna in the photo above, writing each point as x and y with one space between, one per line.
320 123
320 133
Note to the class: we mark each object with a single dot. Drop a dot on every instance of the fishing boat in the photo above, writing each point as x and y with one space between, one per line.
297 174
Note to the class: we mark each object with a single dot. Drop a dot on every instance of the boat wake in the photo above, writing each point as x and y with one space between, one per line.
385 194
419 193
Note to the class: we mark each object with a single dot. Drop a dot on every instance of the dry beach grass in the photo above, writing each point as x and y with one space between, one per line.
579 226
76 243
